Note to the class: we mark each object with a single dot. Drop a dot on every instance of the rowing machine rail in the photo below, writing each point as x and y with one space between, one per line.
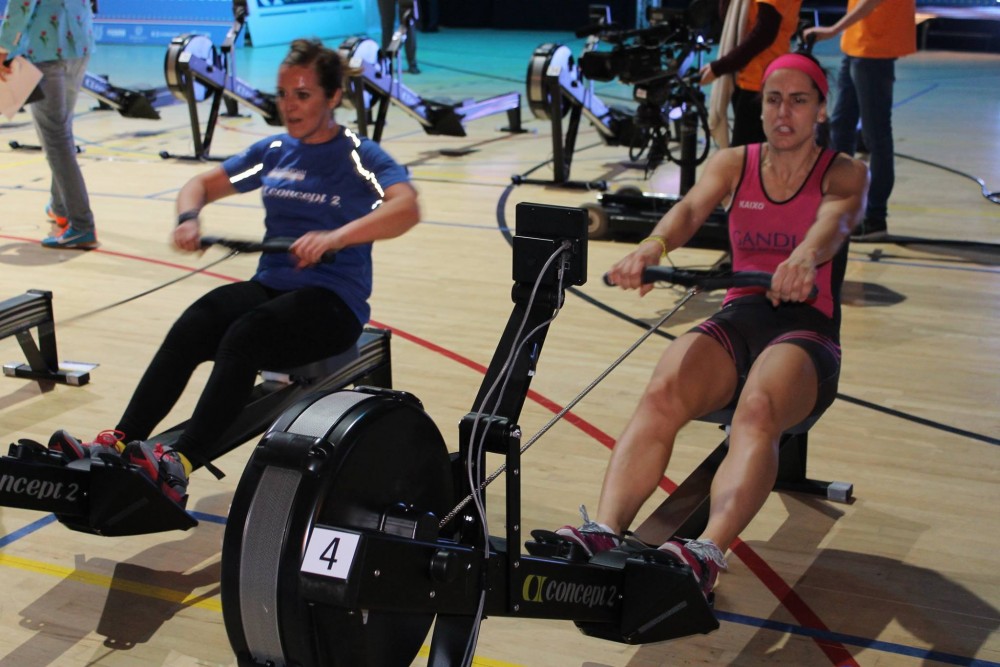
375 82
128 103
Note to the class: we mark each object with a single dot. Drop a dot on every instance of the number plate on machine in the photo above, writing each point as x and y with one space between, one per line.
330 553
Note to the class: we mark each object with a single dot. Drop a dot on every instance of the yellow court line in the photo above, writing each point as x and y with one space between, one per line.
187 600
985 213
73 574
477 660
35 159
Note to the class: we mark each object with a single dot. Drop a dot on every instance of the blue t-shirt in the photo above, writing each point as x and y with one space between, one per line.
307 187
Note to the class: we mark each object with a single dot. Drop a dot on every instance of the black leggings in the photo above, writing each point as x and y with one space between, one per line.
244 328
747 326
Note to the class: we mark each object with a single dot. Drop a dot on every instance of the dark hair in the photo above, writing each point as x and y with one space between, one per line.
328 64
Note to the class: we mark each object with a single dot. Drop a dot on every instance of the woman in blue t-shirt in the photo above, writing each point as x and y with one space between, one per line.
322 185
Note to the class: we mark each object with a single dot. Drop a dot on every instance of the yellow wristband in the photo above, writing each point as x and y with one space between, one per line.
659 239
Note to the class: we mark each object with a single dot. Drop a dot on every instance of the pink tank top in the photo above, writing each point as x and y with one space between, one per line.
763 232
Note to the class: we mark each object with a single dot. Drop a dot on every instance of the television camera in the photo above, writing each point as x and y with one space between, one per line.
660 61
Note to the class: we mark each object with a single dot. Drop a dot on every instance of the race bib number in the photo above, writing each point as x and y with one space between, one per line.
330 553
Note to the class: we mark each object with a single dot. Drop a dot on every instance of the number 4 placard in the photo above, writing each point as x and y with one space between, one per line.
330 553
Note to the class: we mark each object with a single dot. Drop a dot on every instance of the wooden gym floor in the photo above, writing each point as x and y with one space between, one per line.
906 575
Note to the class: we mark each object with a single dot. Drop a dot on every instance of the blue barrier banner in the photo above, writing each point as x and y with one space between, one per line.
157 21
280 21
268 21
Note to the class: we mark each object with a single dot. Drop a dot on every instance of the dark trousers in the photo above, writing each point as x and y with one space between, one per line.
429 15
748 128
244 328
387 12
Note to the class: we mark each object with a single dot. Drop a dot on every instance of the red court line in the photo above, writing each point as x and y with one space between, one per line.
124 255
801 611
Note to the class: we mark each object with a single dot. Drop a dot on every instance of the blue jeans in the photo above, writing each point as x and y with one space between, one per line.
864 92
53 118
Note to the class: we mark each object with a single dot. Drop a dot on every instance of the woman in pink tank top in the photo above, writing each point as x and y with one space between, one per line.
772 354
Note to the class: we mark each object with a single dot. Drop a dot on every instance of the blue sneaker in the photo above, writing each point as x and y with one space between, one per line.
72 239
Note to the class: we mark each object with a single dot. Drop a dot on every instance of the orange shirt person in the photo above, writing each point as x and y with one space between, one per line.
766 33
874 34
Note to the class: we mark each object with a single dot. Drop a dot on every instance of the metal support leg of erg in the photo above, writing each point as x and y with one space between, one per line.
33 310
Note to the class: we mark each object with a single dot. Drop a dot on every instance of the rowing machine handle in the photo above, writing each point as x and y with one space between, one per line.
706 281
275 245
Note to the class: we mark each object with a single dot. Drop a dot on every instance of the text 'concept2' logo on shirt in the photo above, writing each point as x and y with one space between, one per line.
307 197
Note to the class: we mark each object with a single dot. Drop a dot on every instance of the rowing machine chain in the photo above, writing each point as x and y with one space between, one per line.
559 415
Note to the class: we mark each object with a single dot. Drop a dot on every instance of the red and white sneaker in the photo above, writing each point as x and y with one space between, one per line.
703 557
592 537
163 465
109 441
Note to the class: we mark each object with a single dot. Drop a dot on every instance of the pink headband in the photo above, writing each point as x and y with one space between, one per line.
804 65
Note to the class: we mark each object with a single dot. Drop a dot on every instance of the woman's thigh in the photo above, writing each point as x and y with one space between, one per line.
293 328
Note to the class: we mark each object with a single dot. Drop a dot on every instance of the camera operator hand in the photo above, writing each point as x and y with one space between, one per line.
818 34
706 75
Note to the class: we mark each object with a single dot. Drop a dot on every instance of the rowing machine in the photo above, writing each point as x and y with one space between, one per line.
195 71
656 61
556 88
375 81
33 310
107 496
351 532
128 103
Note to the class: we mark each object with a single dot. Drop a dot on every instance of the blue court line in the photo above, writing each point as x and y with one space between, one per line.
27 530
853 640
729 617
919 93
209 518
